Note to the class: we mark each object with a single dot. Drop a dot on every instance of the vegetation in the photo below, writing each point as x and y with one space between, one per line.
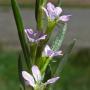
75 75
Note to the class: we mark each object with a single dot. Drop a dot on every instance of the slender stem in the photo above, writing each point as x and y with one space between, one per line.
40 87
40 19
35 53
33 49
47 61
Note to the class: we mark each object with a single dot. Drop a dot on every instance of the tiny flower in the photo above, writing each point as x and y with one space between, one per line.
53 13
36 78
34 36
50 53
32 80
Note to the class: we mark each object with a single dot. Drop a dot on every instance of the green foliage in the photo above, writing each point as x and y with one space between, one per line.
64 58
33 50
20 28
59 38
8 71
20 69
75 76
58 66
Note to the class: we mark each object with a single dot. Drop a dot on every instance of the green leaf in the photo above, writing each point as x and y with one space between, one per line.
20 69
60 64
64 59
59 39
36 9
20 28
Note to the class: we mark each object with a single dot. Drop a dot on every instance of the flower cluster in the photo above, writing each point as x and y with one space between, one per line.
53 13
36 37
38 55
36 79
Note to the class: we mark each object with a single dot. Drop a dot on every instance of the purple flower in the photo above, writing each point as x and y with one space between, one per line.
53 13
34 36
50 53
36 78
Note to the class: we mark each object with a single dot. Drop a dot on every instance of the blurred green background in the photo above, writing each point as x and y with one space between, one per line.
76 73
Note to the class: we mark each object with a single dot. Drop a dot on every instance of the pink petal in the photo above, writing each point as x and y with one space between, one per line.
28 78
28 33
65 18
52 80
46 49
58 53
50 6
36 73
41 38
57 11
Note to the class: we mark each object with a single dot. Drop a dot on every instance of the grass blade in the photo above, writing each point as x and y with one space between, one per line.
20 69
20 28
64 58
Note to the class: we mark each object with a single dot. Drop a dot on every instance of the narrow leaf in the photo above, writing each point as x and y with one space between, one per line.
20 69
20 28
65 58
62 62
36 9
59 39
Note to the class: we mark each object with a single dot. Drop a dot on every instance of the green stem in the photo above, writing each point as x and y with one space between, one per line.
45 64
33 50
40 87
50 27
40 19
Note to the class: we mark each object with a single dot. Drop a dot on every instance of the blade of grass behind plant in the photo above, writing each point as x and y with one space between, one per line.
36 9
20 69
63 61
20 29
65 58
